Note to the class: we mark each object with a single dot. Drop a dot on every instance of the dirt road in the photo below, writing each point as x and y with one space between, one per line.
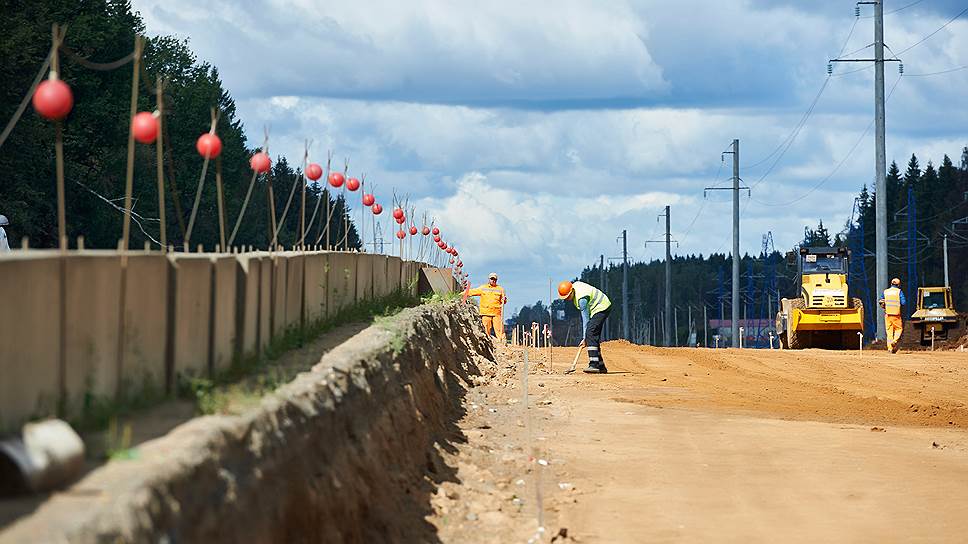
687 445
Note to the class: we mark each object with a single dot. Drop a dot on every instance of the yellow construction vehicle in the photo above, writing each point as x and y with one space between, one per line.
825 315
935 317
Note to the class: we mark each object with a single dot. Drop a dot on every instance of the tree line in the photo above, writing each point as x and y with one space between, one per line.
96 133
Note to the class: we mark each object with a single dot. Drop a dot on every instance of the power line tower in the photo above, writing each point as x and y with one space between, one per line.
880 155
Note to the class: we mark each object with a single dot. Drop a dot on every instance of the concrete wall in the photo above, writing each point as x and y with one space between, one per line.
224 302
93 305
193 315
146 325
182 313
29 332
316 274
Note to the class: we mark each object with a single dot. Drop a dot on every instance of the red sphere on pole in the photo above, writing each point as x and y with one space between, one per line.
314 171
260 162
401 235
437 238
53 99
208 145
413 230
397 213
352 184
377 209
401 220
368 199
436 231
336 179
144 127
425 231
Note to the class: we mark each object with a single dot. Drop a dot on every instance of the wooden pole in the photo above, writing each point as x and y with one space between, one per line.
160 105
221 203
56 39
129 175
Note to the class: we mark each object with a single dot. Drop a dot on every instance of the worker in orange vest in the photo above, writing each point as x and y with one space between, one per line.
892 302
493 299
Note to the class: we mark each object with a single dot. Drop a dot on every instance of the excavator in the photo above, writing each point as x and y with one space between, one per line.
825 315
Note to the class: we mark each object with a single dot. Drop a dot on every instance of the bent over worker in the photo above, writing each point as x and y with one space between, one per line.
892 302
594 307
493 299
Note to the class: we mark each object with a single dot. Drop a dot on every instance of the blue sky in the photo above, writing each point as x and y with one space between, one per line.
536 131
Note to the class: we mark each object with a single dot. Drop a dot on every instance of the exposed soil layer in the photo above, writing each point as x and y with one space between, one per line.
347 452
690 445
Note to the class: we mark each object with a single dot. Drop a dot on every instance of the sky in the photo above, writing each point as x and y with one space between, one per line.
535 132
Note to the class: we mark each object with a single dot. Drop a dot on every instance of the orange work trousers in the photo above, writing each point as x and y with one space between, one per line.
894 326
496 322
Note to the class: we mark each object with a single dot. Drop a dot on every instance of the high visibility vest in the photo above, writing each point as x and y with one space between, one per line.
892 301
492 299
597 300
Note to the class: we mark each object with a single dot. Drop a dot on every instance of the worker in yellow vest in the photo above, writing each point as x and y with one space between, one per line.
594 307
493 299
892 302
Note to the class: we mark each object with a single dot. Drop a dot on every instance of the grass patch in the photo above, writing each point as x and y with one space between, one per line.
245 382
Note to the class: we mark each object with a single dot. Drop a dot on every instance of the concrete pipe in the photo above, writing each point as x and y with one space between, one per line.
48 455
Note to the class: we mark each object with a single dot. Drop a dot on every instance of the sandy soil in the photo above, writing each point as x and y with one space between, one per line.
690 445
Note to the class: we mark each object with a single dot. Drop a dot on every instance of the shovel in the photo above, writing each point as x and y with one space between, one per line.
574 364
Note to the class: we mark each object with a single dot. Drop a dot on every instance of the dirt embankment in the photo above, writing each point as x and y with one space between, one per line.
348 452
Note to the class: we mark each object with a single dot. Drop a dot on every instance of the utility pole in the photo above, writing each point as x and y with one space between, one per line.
666 331
735 302
946 284
625 285
880 155
705 327
605 334
880 160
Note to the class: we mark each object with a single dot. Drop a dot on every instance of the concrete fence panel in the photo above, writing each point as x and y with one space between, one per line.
342 280
193 314
280 273
247 304
147 320
381 287
294 290
29 336
93 306
266 270
317 281
224 315
394 274
364 277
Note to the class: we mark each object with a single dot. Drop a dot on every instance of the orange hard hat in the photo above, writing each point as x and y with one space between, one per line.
896 281
564 289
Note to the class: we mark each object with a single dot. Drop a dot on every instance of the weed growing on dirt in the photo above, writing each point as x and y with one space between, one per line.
248 380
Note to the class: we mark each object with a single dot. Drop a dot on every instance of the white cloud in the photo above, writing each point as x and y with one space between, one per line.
427 98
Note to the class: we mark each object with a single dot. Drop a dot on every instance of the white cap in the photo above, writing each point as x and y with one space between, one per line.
492 276
3 220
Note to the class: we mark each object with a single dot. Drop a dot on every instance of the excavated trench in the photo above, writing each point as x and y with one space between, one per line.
347 452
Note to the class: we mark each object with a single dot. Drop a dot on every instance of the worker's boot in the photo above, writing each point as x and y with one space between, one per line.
596 368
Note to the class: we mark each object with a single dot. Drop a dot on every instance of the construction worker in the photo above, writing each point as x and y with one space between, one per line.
493 299
594 307
892 302
4 245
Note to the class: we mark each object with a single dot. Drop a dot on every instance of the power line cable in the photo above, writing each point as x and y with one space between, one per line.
839 164
902 8
810 108
942 27
965 67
